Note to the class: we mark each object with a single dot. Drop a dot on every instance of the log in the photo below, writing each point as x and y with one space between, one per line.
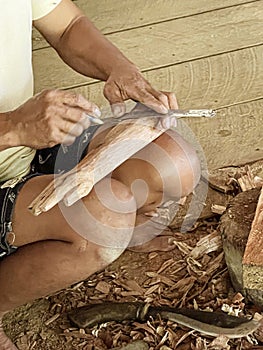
122 141
235 226
253 257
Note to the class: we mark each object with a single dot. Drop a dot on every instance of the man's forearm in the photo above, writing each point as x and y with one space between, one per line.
88 51
7 137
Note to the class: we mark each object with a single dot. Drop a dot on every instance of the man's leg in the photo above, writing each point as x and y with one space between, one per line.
168 168
51 256
64 257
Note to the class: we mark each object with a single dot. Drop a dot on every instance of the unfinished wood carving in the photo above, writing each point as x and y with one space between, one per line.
123 141
253 257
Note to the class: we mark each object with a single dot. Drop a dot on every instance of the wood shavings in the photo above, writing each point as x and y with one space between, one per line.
219 343
218 209
103 287
52 319
181 287
206 245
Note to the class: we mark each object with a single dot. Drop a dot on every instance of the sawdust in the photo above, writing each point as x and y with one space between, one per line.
188 276
193 274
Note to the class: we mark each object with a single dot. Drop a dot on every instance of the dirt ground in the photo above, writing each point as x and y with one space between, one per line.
183 277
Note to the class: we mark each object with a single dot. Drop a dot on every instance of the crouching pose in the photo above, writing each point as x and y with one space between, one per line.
41 255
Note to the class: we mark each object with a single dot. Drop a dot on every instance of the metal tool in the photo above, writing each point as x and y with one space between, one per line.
147 112
205 322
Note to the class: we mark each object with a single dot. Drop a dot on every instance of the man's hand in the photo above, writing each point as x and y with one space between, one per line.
50 118
83 47
128 83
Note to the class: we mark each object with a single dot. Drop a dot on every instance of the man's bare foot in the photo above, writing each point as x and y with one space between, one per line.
5 342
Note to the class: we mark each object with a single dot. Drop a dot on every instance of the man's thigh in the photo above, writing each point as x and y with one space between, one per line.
29 228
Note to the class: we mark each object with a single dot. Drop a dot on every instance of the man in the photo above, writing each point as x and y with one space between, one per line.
40 255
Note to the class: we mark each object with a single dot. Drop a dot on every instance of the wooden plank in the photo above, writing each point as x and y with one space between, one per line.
101 161
167 43
234 137
253 256
105 14
213 82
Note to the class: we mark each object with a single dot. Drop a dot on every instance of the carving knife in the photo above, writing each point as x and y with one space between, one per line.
147 112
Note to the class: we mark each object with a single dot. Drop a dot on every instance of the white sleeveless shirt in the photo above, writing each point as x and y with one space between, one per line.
16 77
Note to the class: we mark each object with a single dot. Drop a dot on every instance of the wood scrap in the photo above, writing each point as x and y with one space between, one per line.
234 179
137 345
122 141
200 210
218 209
253 256
235 225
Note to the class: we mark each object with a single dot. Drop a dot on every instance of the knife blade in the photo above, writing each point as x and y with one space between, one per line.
147 113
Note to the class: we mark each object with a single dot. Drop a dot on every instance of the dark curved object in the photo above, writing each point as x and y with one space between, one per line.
91 315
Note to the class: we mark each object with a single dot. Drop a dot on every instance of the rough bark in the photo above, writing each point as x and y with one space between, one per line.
253 256
235 227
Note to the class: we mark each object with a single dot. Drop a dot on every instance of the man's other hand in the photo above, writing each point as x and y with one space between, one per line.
128 83
52 117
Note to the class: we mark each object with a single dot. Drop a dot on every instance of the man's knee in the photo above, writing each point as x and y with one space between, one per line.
180 162
107 217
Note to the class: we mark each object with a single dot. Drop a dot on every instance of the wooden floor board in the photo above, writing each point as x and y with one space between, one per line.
114 15
167 43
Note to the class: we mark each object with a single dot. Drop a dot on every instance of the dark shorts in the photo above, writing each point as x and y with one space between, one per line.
55 160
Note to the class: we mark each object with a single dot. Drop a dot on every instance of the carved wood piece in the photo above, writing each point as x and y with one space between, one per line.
122 141
253 256
235 225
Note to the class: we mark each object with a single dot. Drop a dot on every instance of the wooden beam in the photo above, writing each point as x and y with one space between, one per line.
136 13
253 256
123 141
167 43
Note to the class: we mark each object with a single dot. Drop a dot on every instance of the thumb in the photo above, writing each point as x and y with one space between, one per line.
113 95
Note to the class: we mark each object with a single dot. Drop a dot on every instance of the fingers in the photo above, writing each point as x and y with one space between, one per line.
170 101
73 129
152 102
70 100
161 102
67 140
118 109
69 114
113 95
130 84
76 100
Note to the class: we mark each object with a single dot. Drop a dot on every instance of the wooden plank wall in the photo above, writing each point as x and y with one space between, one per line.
209 52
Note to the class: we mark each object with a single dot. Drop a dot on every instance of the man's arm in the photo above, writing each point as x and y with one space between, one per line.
79 42
86 50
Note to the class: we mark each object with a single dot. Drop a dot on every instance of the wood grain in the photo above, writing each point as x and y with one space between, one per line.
105 14
253 256
122 141
234 137
213 82
167 43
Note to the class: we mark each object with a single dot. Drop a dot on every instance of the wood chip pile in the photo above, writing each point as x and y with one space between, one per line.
193 275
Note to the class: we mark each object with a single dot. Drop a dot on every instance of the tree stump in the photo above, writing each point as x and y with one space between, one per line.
235 227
